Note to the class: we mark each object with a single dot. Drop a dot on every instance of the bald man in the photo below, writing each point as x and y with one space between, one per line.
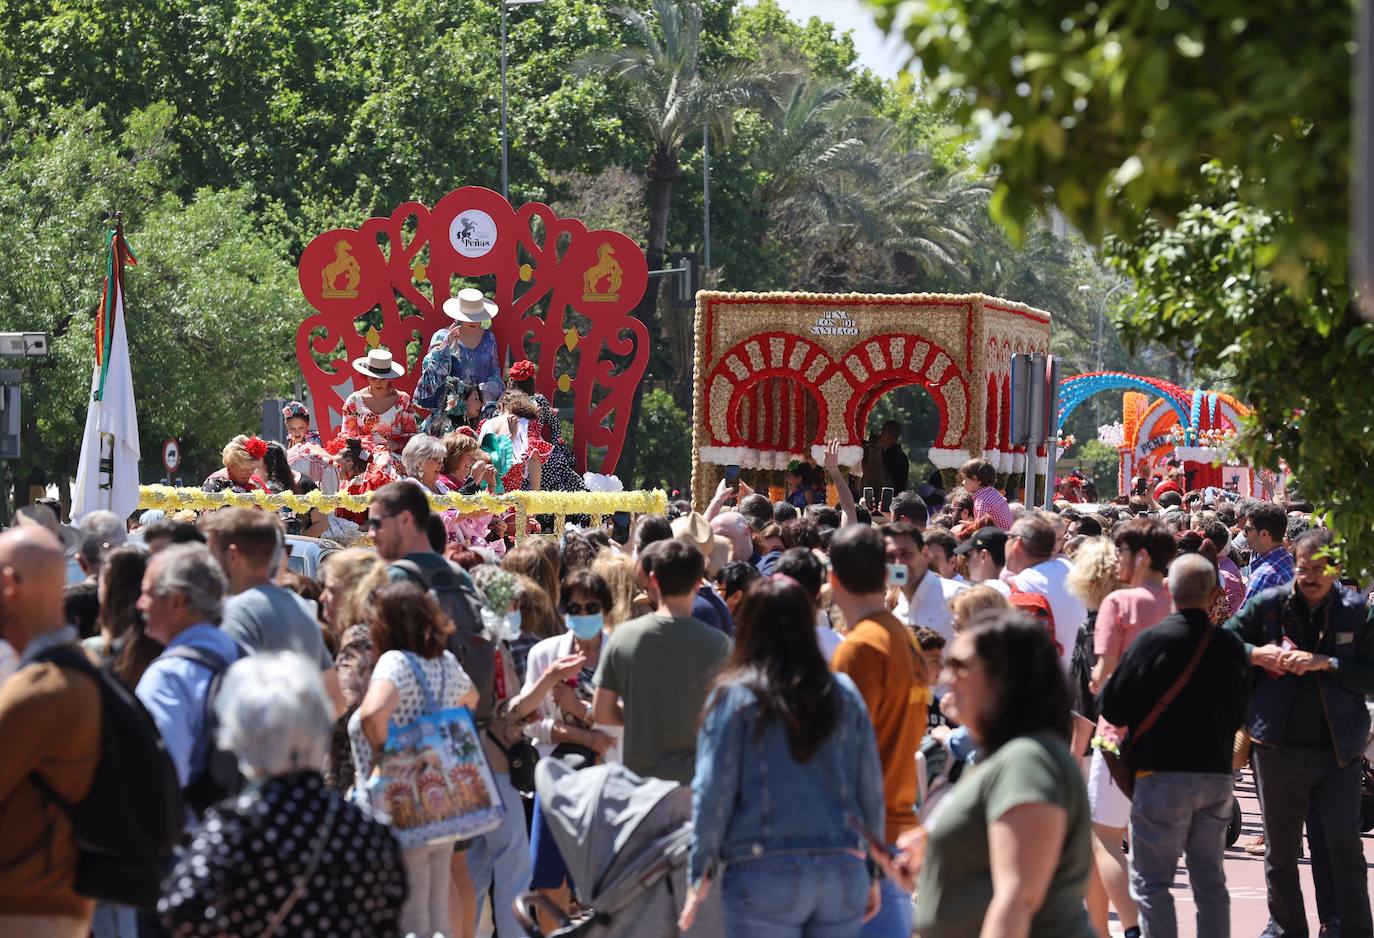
734 527
49 726
1184 803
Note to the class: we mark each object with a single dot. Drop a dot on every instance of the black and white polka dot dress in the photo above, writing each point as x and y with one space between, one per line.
559 472
246 857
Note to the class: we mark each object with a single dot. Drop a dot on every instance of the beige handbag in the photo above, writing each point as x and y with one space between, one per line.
1240 749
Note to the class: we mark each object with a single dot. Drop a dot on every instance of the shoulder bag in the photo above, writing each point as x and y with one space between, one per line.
1118 763
431 781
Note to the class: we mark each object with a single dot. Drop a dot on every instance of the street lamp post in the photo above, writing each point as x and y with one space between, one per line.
505 140
1097 345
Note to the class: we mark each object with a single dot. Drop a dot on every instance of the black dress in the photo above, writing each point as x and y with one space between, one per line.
559 473
247 856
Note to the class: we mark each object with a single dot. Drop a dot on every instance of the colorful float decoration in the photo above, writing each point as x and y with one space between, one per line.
1159 421
778 374
565 296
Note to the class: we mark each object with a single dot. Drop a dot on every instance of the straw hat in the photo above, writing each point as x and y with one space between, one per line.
470 306
694 529
378 363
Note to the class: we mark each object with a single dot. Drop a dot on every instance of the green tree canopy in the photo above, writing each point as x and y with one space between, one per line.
1214 141
212 306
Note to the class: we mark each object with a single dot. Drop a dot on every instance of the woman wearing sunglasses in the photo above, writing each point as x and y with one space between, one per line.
563 727
1009 850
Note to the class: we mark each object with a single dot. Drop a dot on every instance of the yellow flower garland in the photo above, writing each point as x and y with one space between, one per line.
596 504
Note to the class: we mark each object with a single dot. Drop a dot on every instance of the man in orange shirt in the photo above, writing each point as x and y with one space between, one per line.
881 658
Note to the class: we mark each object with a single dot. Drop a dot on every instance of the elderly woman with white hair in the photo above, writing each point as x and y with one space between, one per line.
423 458
288 856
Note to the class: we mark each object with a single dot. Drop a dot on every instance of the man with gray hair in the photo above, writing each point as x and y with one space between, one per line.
99 533
1182 799
734 527
183 597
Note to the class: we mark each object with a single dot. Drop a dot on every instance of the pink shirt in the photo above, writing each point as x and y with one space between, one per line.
989 501
1124 614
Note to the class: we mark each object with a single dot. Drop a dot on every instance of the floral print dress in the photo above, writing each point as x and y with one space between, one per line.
387 433
480 366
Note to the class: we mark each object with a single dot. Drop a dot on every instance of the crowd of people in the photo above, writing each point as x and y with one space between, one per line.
944 717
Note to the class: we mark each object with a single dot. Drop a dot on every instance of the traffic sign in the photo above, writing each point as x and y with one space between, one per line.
171 455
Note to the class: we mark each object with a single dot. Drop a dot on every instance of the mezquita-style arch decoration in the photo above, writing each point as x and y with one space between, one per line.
778 374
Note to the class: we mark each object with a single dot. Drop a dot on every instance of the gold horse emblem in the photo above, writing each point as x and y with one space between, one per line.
606 268
339 279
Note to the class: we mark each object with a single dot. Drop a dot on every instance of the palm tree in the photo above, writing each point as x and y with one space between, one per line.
909 224
818 161
667 99
931 219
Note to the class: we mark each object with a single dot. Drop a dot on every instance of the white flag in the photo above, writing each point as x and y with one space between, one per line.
107 477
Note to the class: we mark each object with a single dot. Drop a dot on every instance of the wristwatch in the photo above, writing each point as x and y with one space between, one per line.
1335 663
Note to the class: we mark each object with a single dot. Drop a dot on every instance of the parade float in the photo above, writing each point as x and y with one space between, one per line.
562 297
1160 421
779 374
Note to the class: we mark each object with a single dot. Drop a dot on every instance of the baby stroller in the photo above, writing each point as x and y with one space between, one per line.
625 840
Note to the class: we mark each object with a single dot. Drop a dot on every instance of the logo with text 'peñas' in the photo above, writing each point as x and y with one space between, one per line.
472 233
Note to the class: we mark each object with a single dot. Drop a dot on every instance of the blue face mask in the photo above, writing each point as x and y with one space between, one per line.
585 627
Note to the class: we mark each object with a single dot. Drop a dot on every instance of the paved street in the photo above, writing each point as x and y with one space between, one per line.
1245 878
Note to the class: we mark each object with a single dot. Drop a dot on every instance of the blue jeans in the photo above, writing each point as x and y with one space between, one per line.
1175 813
114 921
894 918
501 858
796 896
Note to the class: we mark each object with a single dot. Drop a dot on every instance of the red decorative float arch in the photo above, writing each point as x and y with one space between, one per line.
561 289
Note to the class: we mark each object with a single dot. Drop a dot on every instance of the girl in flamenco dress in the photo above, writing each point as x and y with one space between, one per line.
515 443
379 416
305 451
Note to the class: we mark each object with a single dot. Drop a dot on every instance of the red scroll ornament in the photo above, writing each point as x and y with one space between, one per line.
474 232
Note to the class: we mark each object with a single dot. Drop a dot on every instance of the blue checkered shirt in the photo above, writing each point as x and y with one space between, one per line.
1272 569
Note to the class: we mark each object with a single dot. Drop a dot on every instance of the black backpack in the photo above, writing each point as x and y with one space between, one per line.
127 825
221 777
458 598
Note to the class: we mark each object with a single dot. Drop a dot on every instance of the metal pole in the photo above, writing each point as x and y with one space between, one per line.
1052 422
505 171
1362 199
1035 424
706 195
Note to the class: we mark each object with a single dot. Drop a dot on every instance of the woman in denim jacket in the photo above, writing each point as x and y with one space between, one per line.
785 754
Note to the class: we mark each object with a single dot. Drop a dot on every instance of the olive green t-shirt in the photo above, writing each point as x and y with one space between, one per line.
662 668
956 880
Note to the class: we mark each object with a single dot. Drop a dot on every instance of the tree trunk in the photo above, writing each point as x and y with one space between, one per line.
663 172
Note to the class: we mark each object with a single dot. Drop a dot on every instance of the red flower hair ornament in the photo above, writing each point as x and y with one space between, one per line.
255 447
522 370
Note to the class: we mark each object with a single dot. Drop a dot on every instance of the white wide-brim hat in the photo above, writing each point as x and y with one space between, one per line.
378 363
470 306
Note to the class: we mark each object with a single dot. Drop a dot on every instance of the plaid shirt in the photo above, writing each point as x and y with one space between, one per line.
1272 569
989 501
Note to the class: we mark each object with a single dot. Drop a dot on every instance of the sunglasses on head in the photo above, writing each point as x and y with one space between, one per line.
581 609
